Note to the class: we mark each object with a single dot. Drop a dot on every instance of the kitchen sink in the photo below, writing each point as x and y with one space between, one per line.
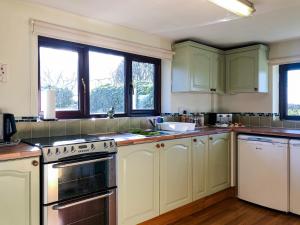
152 133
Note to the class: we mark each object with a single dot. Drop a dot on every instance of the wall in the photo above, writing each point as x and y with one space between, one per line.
15 45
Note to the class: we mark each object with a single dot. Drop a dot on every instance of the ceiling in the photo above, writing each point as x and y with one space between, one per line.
274 20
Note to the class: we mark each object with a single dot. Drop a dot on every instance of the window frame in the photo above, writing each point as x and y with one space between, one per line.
283 90
83 73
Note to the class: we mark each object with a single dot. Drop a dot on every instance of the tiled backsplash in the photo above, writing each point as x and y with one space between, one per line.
33 129
264 120
85 126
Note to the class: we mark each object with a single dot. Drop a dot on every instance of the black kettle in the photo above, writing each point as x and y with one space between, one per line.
9 127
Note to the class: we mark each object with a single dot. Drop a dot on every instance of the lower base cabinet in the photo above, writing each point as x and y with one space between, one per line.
218 162
158 177
200 167
19 192
175 174
138 183
211 164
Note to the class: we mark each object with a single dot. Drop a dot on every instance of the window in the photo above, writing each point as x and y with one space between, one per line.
89 80
289 91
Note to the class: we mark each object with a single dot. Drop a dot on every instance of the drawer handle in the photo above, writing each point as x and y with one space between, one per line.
211 138
35 163
157 145
162 145
194 140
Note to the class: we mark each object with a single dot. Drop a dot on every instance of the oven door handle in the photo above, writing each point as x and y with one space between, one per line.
64 206
64 165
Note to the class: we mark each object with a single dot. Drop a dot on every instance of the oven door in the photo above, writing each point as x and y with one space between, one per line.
75 178
97 209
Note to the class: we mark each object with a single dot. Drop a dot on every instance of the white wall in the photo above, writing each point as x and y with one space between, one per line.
15 47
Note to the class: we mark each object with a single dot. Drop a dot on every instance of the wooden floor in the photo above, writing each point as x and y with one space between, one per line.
236 212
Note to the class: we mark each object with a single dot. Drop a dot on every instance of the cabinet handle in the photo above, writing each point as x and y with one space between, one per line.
35 163
162 145
210 138
157 146
255 89
194 140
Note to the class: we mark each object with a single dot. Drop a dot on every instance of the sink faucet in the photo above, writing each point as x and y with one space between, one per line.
153 124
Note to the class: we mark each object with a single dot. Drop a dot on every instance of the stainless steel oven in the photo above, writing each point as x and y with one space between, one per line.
80 191
78 181
78 177
95 209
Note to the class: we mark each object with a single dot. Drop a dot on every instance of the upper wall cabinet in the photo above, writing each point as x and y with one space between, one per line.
198 68
247 69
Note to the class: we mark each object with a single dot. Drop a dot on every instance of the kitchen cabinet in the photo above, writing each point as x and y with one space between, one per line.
200 164
19 192
175 174
247 69
218 78
218 162
138 183
197 68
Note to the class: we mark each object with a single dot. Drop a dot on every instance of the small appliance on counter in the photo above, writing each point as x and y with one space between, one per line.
7 127
219 119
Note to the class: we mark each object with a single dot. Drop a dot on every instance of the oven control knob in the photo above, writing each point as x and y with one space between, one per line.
92 146
72 149
57 152
105 145
49 153
111 144
65 150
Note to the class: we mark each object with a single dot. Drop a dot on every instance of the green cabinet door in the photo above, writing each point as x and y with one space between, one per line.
242 69
19 192
200 69
218 162
199 160
247 69
138 183
197 68
217 82
175 174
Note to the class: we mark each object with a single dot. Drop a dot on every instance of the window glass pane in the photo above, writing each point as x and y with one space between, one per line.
59 72
107 83
143 83
293 95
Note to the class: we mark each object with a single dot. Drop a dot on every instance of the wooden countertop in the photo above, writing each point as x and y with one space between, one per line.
280 132
18 151
130 139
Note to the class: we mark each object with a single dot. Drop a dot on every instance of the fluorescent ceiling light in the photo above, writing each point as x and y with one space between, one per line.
238 7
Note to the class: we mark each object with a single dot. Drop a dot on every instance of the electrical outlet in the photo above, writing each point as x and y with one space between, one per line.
3 73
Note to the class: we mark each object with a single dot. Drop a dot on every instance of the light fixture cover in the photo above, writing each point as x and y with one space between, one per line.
238 7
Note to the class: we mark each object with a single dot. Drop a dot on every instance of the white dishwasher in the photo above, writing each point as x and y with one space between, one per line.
263 171
295 176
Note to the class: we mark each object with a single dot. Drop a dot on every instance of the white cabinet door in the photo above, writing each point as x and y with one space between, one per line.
19 192
199 159
218 162
175 174
138 183
295 176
